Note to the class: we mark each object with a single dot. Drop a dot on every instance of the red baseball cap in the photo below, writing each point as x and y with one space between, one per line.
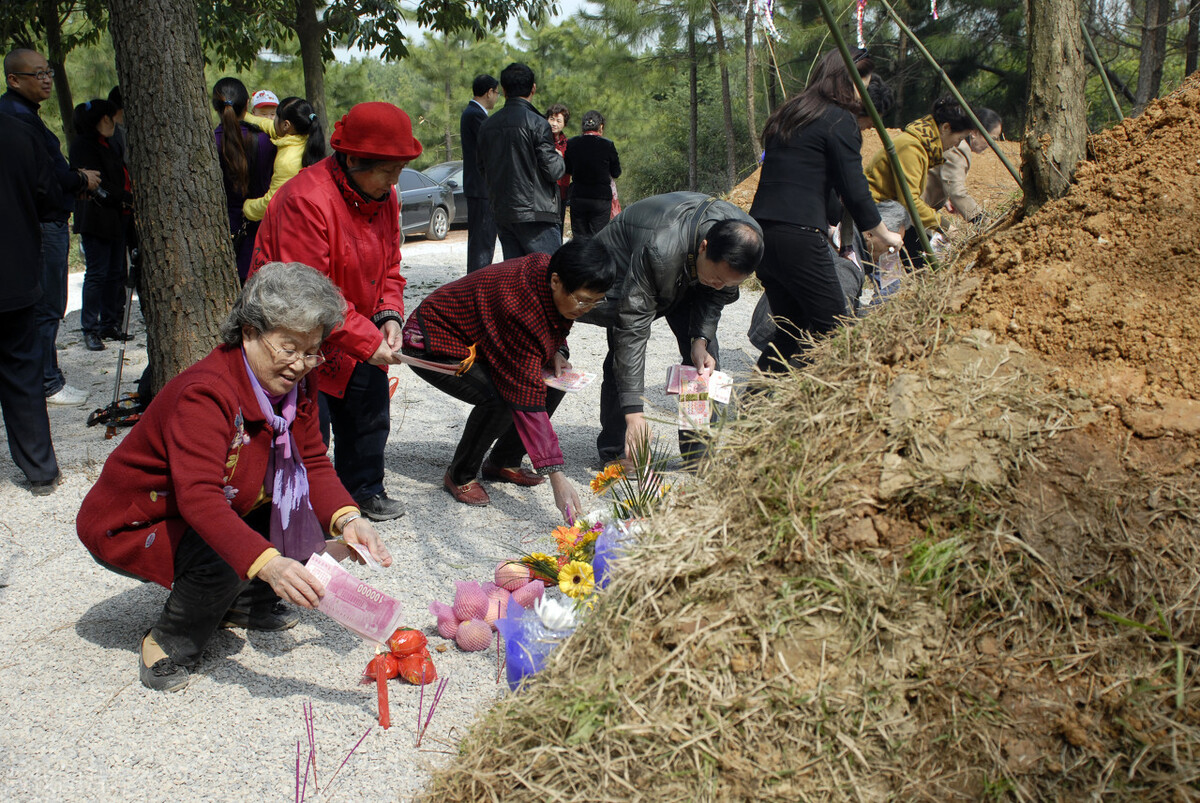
376 130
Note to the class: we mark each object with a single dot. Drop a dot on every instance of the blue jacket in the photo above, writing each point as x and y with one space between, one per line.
70 183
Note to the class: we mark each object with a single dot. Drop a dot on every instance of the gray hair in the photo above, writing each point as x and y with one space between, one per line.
894 215
285 295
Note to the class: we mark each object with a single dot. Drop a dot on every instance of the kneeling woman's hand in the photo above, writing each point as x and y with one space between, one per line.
361 531
565 498
292 582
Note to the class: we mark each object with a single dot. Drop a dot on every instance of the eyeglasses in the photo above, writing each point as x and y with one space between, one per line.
289 356
41 75
586 305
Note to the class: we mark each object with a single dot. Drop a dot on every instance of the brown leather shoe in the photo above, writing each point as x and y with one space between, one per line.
470 494
517 476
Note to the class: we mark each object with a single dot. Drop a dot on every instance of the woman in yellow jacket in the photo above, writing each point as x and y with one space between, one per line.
299 142
919 147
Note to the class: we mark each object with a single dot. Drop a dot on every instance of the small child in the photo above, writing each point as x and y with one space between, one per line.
299 141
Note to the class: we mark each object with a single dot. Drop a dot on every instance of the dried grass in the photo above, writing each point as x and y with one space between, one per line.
854 604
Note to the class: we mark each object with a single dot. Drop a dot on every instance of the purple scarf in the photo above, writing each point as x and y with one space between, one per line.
295 531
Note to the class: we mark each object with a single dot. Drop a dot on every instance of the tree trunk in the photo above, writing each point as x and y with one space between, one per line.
1154 52
48 11
726 99
310 31
898 118
188 276
693 108
772 84
1191 45
1056 112
751 115
449 137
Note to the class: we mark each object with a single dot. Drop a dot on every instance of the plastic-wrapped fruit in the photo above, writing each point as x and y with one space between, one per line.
391 666
528 594
474 635
406 641
412 666
447 622
511 575
469 600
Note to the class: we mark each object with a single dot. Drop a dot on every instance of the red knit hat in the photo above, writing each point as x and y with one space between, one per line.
376 130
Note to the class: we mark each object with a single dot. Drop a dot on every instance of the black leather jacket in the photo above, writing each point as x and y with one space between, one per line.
649 240
518 160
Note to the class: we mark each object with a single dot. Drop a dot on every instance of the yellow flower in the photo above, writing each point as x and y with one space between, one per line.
542 566
576 580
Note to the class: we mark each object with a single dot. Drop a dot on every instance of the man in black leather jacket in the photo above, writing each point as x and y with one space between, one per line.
680 256
516 155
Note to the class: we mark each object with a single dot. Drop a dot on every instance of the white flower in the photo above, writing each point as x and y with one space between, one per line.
554 616
594 518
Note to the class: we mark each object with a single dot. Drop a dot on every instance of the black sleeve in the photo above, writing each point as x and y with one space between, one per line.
844 153
615 165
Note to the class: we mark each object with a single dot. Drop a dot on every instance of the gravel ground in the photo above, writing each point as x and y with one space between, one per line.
80 725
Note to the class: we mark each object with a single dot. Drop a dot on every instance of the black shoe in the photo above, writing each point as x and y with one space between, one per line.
44 487
164 675
115 334
380 507
278 617
92 341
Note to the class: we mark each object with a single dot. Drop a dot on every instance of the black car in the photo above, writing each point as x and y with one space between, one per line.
426 207
450 175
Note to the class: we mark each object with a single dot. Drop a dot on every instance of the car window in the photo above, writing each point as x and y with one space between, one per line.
411 180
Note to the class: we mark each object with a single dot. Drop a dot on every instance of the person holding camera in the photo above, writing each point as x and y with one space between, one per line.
102 221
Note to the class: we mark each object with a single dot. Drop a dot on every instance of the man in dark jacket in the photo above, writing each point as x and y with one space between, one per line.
28 190
481 225
30 81
680 256
517 157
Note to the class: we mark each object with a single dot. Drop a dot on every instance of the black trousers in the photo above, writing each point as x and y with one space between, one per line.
481 234
490 422
798 275
21 398
360 422
204 589
589 216
610 443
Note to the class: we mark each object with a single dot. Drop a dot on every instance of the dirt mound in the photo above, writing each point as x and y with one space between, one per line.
1100 282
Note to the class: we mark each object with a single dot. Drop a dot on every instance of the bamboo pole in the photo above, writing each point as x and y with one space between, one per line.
953 89
888 145
1091 47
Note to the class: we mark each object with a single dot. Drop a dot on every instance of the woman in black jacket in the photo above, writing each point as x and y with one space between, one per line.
593 163
103 222
813 146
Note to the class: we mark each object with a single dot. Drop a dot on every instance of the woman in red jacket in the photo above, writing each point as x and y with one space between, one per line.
341 217
508 323
224 488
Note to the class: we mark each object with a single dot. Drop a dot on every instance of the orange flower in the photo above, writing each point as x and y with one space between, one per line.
611 473
565 537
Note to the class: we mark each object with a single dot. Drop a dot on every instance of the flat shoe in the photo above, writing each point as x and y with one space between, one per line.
278 617
470 494
517 476
163 675
381 507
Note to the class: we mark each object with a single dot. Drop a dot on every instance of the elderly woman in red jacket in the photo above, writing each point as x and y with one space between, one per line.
224 488
342 217
506 324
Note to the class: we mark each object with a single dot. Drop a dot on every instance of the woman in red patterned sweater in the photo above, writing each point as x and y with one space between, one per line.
509 323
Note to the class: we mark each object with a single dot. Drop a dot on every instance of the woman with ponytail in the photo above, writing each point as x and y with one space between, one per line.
299 142
922 145
246 155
